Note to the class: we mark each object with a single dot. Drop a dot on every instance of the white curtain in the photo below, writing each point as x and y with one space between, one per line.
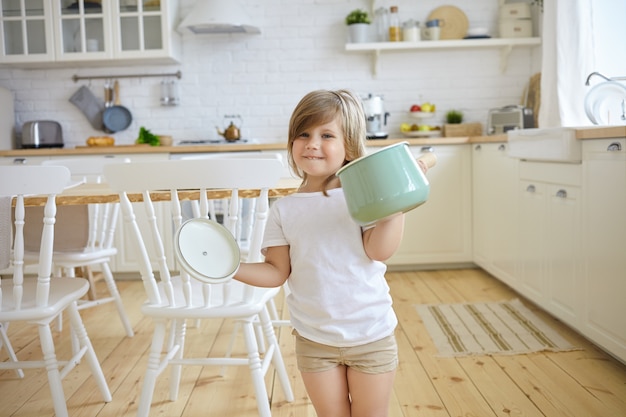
567 60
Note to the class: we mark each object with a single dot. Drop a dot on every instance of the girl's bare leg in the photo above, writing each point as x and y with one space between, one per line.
370 393
328 391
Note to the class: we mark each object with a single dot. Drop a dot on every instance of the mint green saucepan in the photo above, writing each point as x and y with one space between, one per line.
385 182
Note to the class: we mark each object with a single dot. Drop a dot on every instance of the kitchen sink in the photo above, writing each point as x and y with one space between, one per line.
548 145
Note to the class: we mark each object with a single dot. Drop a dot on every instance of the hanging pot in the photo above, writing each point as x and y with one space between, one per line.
385 182
116 117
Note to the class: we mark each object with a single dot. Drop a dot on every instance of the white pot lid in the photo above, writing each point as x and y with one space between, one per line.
207 251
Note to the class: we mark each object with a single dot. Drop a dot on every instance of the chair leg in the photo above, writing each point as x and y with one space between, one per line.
86 272
9 348
90 354
110 282
54 375
154 368
256 371
277 357
176 371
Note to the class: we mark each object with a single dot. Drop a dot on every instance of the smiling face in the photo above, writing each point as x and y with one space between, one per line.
326 131
319 152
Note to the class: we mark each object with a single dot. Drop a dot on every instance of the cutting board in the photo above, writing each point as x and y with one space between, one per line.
7 119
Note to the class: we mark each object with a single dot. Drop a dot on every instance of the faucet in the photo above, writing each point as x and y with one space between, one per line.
598 74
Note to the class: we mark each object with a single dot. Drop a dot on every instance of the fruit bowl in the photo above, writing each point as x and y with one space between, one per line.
421 114
421 133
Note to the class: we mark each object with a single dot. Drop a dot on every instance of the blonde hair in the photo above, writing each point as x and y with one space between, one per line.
321 107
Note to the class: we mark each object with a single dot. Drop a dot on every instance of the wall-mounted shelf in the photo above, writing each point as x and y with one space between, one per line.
506 45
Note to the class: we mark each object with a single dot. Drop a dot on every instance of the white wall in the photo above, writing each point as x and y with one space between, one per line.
262 77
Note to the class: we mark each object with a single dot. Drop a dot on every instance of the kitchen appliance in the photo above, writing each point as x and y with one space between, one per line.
42 134
503 119
385 182
232 131
375 117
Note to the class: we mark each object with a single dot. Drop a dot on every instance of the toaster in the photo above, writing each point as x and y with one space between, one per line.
42 134
503 119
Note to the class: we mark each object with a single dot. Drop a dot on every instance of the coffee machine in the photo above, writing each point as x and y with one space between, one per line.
375 117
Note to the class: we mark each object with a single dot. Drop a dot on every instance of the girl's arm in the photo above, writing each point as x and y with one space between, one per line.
382 240
271 273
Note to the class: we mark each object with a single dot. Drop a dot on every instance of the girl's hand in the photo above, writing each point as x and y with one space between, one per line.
381 241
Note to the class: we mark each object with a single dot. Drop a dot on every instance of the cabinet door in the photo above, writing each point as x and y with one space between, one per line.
82 30
604 243
145 27
439 231
494 208
531 249
26 31
563 264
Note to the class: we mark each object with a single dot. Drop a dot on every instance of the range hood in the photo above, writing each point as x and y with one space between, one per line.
217 16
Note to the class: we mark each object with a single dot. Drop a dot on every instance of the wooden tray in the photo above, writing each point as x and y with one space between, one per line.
113 146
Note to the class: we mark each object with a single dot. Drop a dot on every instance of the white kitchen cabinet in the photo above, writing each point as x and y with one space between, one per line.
549 234
604 244
77 31
494 207
439 231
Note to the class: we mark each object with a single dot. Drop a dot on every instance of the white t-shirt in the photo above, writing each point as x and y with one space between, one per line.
338 295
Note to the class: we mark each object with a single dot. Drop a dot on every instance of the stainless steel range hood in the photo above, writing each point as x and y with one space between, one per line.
217 16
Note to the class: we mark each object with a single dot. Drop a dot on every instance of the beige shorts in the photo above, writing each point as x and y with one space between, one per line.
377 357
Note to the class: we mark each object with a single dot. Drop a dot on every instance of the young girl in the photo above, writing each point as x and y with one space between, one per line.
339 301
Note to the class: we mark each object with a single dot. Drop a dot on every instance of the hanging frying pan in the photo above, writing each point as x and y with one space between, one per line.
116 118
207 251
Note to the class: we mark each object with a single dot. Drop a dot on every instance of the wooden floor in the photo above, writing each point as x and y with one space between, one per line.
585 383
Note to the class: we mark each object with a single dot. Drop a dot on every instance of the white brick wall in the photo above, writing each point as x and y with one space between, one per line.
262 77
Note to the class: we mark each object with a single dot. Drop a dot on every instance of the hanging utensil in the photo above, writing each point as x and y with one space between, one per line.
116 117
91 106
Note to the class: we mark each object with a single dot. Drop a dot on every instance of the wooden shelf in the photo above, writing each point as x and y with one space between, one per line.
505 44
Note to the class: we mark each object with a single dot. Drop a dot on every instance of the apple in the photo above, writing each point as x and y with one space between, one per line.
416 107
427 107
424 128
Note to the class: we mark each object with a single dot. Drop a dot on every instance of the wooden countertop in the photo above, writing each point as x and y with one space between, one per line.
582 133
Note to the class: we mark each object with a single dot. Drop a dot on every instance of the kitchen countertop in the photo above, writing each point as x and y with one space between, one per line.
582 133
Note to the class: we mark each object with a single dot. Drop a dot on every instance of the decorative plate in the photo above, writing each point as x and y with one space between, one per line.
421 114
452 20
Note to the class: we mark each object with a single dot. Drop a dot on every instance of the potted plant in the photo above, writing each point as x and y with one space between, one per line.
454 126
358 22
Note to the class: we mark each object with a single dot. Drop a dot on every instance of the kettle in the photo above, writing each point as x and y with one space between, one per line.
232 132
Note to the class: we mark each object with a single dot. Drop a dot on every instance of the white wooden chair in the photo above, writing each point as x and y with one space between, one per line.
40 300
99 249
176 298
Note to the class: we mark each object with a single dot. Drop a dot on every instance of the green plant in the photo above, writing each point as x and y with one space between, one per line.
145 136
358 16
454 117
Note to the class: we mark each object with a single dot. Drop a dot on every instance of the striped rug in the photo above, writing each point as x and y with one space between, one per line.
497 328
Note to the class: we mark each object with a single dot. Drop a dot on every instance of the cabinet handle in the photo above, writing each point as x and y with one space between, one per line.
561 193
502 147
530 188
478 148
427 149
614 147
19 161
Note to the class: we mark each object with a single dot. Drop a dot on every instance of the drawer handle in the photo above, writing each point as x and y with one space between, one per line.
614 147
530 188
478 147
561 193
427 149
19 161
502 147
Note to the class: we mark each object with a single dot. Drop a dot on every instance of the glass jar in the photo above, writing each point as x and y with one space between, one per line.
411 31
381 20
395 34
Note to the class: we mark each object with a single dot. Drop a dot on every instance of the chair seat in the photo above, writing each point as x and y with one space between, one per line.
62 292
235 308
88 255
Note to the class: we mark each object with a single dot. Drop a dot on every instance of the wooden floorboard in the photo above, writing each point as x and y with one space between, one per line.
580 383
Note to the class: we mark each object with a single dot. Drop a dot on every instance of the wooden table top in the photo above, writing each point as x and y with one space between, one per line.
90 193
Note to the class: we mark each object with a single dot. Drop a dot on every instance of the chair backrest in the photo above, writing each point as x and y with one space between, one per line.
18 181
232 174
101 218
